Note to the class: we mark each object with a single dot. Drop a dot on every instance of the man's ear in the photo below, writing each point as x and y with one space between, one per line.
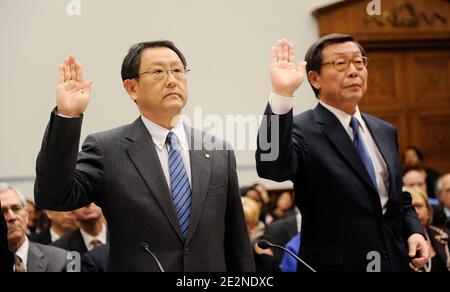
314 79
130 87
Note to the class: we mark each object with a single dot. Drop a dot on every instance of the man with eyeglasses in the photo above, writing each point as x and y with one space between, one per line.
169 193
344 164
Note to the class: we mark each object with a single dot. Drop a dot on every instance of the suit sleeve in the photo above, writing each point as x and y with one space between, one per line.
277 156
238 253
63 183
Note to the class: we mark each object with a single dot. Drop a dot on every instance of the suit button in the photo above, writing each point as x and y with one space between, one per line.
186 251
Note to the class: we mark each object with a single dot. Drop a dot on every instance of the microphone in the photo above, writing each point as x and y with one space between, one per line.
265 244
146 247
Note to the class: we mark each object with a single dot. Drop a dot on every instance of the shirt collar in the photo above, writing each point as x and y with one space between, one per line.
447 211
22 252
159 134
343 117
53 235
87 238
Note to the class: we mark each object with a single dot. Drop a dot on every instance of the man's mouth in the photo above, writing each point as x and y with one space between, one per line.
354 85
172 94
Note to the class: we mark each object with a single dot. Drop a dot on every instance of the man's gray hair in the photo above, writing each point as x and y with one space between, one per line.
6 187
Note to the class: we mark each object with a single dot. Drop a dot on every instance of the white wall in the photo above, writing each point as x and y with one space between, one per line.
226 42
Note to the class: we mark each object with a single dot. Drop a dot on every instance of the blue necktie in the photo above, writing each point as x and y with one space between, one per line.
362 150
179 183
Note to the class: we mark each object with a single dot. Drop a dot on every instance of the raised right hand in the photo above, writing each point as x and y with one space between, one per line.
285 74
72 92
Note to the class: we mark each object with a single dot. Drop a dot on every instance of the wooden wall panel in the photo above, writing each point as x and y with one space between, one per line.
408 46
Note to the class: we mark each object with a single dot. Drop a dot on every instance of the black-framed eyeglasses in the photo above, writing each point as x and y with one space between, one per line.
160 74
342 64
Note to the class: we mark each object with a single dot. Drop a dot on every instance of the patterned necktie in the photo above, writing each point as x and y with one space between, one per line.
362 150
95 243
19 266
179 183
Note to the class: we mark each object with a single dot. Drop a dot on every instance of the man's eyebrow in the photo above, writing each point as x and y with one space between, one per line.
159 63
12 206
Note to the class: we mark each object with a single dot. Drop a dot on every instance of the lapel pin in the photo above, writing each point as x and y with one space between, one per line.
207 156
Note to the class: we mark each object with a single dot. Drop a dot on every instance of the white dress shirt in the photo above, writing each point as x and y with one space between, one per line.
53 235
87 238
22 252
159 136
282 105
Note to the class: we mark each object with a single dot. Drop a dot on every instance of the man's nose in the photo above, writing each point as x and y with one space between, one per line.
171 80
10 216
351 71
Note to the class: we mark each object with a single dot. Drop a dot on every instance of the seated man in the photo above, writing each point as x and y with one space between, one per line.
441 216
28 256
61 224
92 231
7 262
415 178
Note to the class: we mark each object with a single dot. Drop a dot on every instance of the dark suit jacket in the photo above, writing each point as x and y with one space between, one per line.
280 232
72 241
44 258
119 170
342 218
96 261
440 245
439 217
42 238
6 257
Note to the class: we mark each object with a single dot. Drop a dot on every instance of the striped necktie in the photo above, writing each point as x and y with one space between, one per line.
179 183
362 150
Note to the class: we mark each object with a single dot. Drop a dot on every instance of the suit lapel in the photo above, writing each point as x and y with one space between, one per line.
36 259
143 154
340 139
200 174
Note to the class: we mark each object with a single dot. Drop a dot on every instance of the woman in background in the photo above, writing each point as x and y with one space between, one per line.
437 238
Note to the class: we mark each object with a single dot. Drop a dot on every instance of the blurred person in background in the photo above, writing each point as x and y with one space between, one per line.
61 224
91 234
414 158
437 238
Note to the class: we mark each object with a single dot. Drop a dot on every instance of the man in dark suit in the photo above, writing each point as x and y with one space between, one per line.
92 231
161 184
61 223
344 164
280 232
28 256
7 258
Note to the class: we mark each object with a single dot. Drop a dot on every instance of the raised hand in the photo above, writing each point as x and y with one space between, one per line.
285 74
72 92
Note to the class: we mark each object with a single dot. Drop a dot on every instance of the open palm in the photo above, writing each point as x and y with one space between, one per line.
285 74
72 92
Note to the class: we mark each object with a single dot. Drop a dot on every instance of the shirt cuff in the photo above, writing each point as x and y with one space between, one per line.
280 105
64 116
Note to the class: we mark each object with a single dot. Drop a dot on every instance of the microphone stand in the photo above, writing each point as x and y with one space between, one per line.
265 244
146 247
